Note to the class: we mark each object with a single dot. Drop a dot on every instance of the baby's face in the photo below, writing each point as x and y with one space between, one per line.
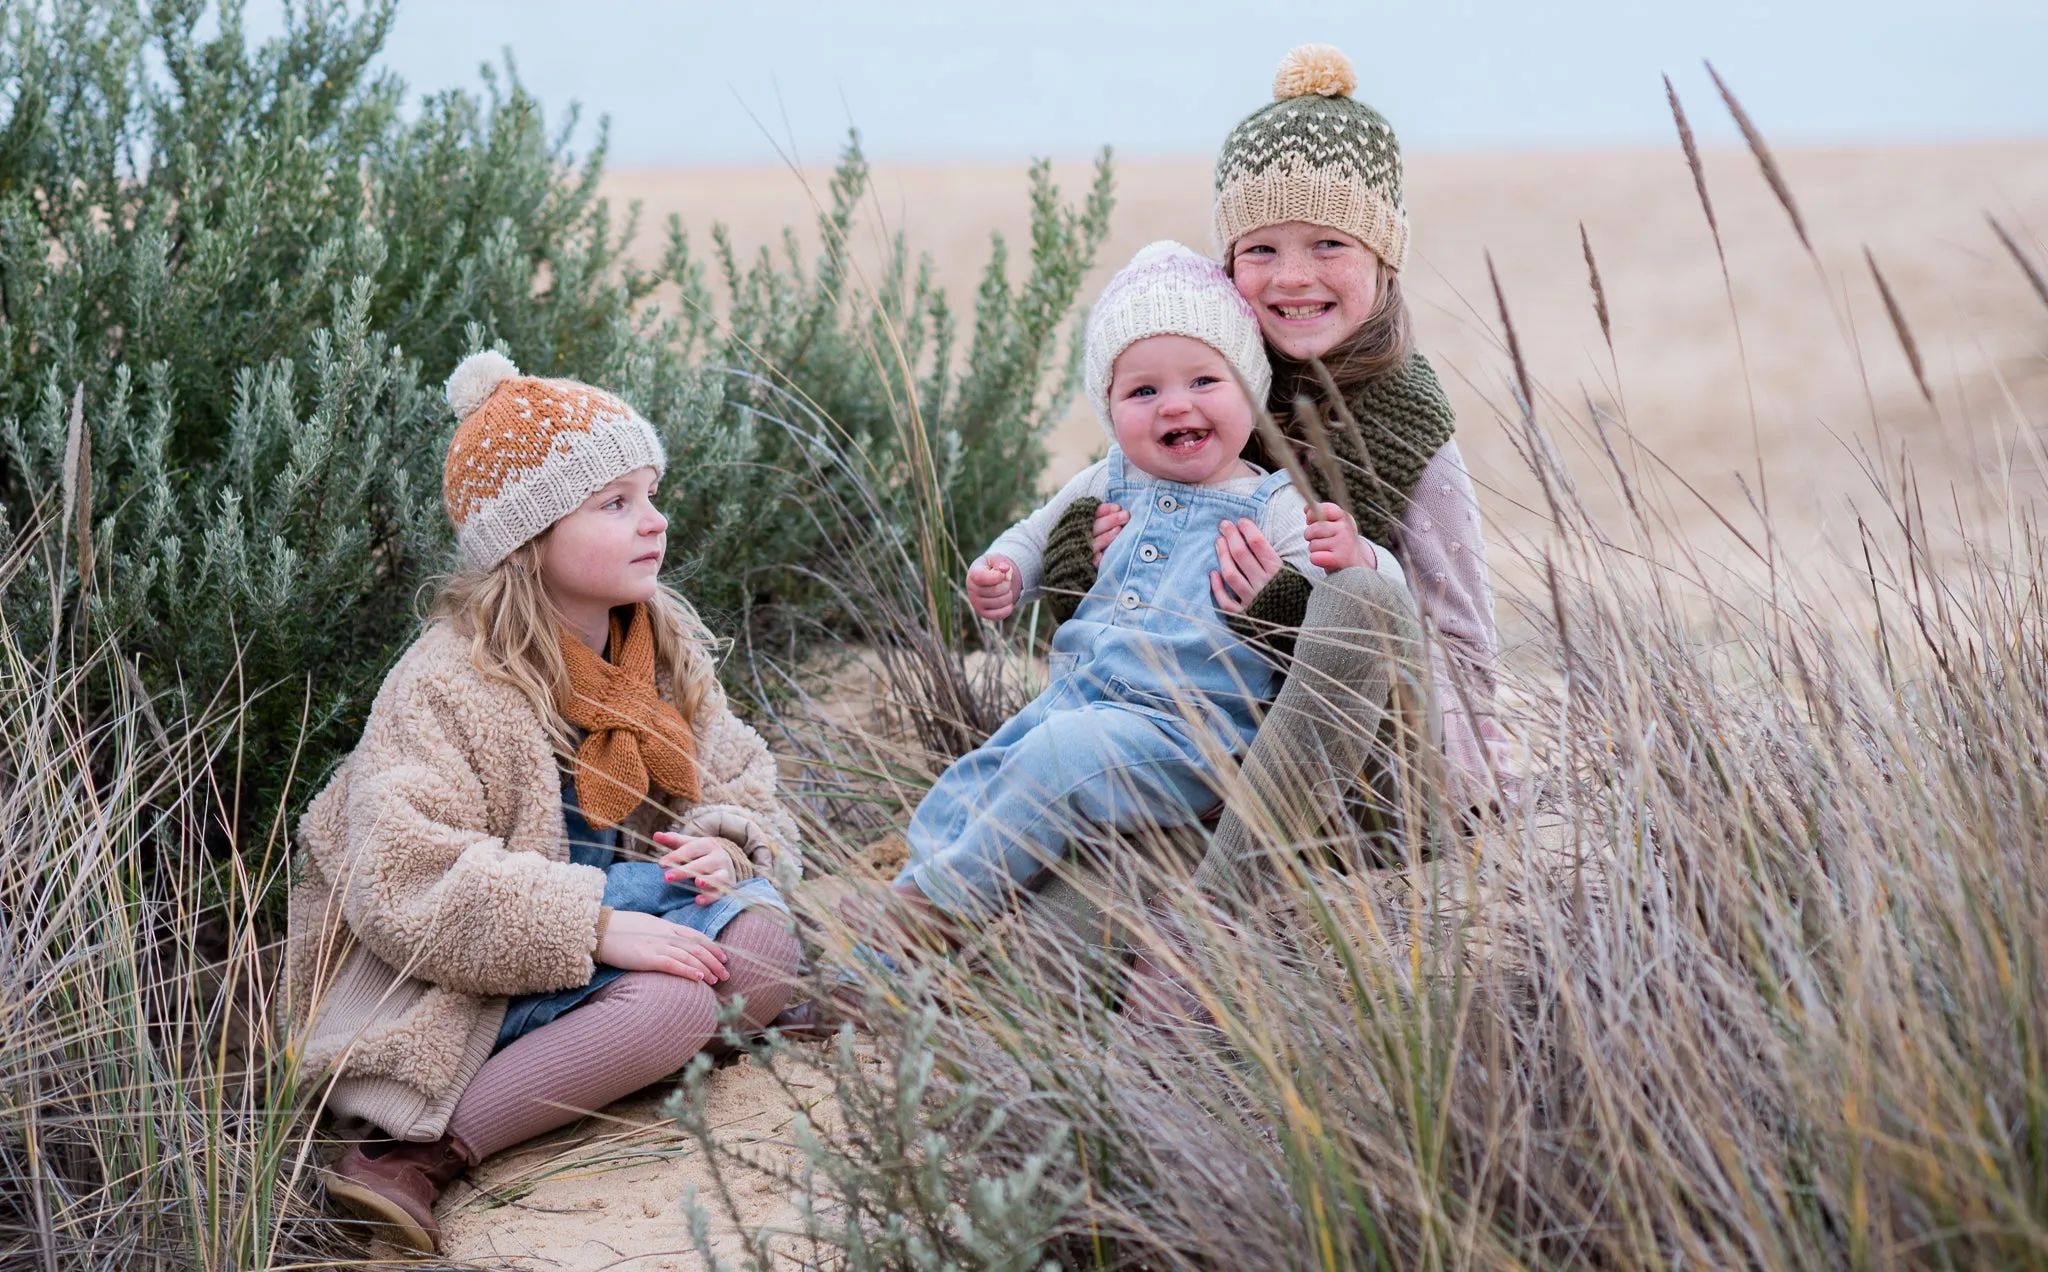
1177 410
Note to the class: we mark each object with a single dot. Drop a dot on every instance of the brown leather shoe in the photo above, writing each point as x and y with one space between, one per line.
393 1184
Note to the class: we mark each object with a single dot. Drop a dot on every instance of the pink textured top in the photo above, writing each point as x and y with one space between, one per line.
1446 559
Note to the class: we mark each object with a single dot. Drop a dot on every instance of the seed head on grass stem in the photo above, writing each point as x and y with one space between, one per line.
1899 327
1754 138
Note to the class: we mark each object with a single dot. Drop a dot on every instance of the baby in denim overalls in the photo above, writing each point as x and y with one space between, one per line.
1150 689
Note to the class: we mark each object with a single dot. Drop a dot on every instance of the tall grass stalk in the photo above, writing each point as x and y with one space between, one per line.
146 1115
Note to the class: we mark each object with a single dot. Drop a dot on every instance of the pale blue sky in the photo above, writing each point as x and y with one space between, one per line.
931 80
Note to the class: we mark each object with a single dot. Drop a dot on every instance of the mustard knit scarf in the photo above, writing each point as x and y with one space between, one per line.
634 738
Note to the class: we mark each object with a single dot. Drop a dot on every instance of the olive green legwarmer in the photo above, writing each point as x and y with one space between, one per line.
1067 900
1274 614
1069 565
1359 634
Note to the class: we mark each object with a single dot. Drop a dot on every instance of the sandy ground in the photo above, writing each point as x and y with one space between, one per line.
609 1191
1825 374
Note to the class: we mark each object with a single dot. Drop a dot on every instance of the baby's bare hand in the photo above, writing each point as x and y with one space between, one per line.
993 586
1333 540
1109 518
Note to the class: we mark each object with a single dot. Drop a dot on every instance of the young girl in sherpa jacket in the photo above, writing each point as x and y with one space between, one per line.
471 961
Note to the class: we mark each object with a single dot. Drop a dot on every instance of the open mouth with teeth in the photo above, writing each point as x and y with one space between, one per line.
1304 313
1183 440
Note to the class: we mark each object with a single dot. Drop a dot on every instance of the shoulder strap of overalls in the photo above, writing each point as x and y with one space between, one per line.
1117 480
1273 482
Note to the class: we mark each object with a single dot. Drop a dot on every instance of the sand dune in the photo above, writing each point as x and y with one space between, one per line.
1822 361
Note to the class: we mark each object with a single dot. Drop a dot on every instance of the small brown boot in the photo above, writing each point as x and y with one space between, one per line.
393 1184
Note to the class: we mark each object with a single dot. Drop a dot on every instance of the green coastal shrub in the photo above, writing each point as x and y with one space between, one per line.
255 266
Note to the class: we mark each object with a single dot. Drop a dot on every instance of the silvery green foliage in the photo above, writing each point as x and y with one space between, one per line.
260 268
919 1173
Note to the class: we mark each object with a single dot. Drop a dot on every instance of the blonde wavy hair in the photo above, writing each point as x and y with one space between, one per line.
514 627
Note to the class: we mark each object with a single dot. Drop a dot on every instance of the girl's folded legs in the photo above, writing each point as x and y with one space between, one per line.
761 955
635 1031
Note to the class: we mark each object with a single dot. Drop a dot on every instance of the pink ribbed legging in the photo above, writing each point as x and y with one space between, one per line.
636 1030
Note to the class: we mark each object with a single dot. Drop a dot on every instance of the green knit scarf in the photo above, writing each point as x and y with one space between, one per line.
1403 419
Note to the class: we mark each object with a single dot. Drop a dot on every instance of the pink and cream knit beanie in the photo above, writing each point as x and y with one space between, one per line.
529 451
1169 289
1313 154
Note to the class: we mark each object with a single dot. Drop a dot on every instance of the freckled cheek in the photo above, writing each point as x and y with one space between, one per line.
1359 292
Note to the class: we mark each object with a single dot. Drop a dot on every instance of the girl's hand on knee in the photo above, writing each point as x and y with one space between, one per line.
649 943
1333 540
993 586
704 861
1109 518
1245 562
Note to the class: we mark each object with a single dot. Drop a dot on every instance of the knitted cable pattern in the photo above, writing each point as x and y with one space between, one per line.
1069 566
1403 420
1273 619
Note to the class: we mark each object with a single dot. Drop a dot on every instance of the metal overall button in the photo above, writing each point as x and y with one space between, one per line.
1167 503
1148 553
1129 600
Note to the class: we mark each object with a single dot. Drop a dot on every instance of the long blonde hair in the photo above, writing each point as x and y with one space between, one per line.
514 630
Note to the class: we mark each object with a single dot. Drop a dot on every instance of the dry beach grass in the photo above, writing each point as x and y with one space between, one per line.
1757 976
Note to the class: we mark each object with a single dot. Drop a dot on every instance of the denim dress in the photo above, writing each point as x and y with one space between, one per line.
1149 689
636 886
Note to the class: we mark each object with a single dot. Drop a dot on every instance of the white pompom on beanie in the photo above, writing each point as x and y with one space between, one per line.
529 451
1170 289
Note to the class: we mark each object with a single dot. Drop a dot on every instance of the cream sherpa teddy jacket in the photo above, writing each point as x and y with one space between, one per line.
434 881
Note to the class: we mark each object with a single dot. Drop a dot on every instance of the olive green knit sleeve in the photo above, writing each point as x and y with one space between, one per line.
1070 559
1275 614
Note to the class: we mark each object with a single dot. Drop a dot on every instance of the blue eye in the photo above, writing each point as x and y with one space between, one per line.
1143 390
1204 381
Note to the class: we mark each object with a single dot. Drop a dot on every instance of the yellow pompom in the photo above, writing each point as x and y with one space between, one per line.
1314 70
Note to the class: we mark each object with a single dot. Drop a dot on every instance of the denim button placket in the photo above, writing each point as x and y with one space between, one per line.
1151 616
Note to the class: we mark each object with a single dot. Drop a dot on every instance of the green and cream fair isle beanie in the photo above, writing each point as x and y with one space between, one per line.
1313 154
1170 289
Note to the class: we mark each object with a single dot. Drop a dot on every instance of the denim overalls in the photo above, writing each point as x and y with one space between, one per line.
1149 689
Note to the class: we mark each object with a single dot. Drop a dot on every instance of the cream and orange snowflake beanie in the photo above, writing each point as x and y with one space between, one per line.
1313 154
529 451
